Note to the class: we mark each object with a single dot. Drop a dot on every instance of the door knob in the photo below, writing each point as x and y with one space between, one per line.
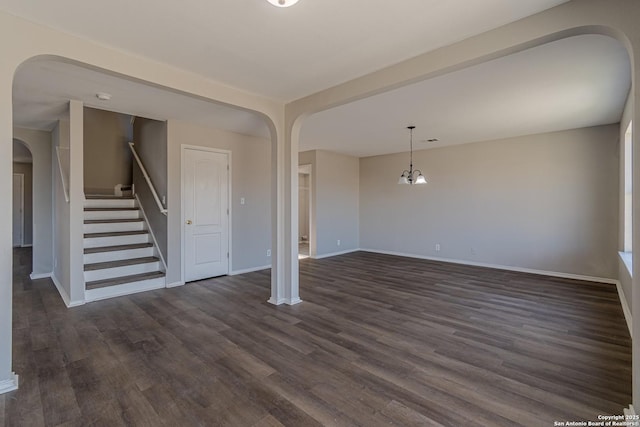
188 222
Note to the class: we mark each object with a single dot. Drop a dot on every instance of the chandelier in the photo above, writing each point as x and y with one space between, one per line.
409 176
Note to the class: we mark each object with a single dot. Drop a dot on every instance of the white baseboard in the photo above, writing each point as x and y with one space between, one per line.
249 270
175 284
630 411
10 384
34 276
29 245
501 267
348 251
625 307
63 293
288 301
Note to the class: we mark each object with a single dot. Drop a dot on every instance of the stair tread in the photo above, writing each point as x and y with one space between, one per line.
122 280
112 221
107 197
110 209
115 233
120 263
117 248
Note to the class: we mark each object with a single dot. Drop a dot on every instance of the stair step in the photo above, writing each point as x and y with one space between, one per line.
111 209
107 197
121 263
115 234
122 280
117 248
112 221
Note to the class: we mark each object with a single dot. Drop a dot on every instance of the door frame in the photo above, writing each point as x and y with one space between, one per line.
183 148
307 169
21 243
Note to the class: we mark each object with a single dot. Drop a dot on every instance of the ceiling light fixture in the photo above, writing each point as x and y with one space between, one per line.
103 96
283 3
408 176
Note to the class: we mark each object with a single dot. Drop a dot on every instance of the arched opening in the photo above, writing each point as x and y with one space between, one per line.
159 122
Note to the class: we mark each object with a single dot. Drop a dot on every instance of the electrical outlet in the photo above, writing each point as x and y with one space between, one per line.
268 252
338 242
473 251
242 200
437 247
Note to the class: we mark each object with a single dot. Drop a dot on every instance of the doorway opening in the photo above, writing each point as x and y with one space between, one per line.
304 211
22 195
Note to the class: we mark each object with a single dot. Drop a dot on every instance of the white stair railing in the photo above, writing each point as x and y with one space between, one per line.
146 178
64 166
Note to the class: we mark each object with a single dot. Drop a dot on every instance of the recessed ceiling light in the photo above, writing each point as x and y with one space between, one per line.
103 96
283 3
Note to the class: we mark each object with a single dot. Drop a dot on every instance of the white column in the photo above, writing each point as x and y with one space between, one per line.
635 292
8 380
284 267
292 291
76 201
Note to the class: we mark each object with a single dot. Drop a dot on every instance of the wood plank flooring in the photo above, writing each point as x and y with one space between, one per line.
378 340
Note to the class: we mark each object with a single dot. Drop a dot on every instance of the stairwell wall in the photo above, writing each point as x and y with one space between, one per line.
150 140
107 158
61 217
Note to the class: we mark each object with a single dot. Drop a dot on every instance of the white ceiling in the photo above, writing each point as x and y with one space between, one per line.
42 90
284 53
572 83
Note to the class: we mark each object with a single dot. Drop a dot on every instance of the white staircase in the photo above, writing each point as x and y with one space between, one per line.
119 255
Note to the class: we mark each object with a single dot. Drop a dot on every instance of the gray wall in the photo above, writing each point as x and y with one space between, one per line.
150 140
251 179
624 274
107 158
26 169
335 203
39 143
545 202
62 217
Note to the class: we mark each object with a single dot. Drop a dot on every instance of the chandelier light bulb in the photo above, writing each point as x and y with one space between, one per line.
283 3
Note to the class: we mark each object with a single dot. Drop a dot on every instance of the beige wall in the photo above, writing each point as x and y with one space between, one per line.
26 169
107 158
545 202
250 179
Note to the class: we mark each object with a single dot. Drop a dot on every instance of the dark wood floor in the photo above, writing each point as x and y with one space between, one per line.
379 340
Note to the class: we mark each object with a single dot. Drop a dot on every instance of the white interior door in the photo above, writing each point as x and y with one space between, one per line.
205 213
18 209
